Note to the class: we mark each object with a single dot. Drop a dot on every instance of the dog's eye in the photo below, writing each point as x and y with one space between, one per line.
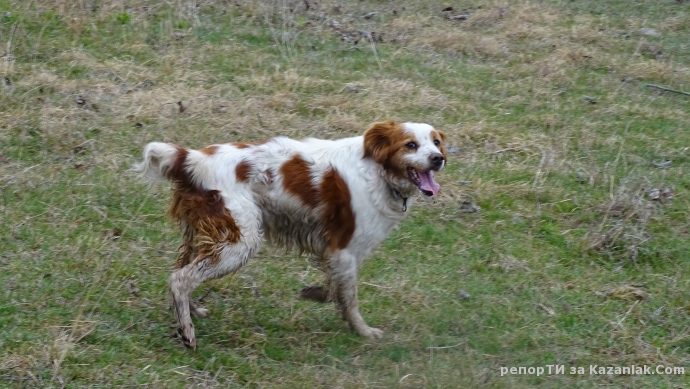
411 145
437 142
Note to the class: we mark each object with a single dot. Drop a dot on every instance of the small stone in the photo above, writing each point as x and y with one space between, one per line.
661 195
459 17
583 177
469 207
453 150
663 164
649 32
463 295
654 194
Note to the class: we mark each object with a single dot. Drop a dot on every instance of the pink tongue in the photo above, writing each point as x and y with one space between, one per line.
427 183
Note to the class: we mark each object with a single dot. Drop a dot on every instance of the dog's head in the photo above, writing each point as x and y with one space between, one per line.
410 153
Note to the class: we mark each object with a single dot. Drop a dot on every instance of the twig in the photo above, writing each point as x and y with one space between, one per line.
261 123
372 43
663 88
627 313
376 286
8 52
445 347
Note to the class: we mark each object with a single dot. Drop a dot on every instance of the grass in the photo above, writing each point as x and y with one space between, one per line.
570 261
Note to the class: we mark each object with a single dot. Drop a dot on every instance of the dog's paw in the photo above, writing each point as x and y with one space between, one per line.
371 333
188 339
189 343
315 293
199 312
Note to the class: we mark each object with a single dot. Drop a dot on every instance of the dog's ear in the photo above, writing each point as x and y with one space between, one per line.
442 135
379 139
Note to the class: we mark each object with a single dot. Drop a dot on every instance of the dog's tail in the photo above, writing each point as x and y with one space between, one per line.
163 161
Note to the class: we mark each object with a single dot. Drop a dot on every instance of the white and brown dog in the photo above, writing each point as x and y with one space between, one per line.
335 199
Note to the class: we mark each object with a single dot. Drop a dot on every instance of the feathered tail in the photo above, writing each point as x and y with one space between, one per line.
162 161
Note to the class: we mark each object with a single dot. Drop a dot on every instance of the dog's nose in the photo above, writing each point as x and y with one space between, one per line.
436 159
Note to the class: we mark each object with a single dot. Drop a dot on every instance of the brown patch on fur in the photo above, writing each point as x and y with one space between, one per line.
210 150
242 171
339 220
244 145
177 172
441 137
315 293
385 143
298 181
207 225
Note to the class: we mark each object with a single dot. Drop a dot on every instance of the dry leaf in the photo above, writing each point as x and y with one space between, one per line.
132 287
626 292
114 233
548 310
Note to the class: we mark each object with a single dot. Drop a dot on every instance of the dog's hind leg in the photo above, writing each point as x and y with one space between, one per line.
183 281
315 293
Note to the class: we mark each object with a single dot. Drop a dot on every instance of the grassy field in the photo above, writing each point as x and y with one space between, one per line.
577 257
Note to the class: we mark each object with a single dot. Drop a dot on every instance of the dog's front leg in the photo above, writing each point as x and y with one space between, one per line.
344 268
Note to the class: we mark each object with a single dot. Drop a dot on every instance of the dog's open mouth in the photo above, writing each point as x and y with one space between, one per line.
424 181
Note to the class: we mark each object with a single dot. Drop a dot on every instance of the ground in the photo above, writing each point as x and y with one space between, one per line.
560 236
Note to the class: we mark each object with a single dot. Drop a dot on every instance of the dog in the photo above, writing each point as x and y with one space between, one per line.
335 199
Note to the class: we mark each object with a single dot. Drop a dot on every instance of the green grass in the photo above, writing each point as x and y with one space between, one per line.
569 261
